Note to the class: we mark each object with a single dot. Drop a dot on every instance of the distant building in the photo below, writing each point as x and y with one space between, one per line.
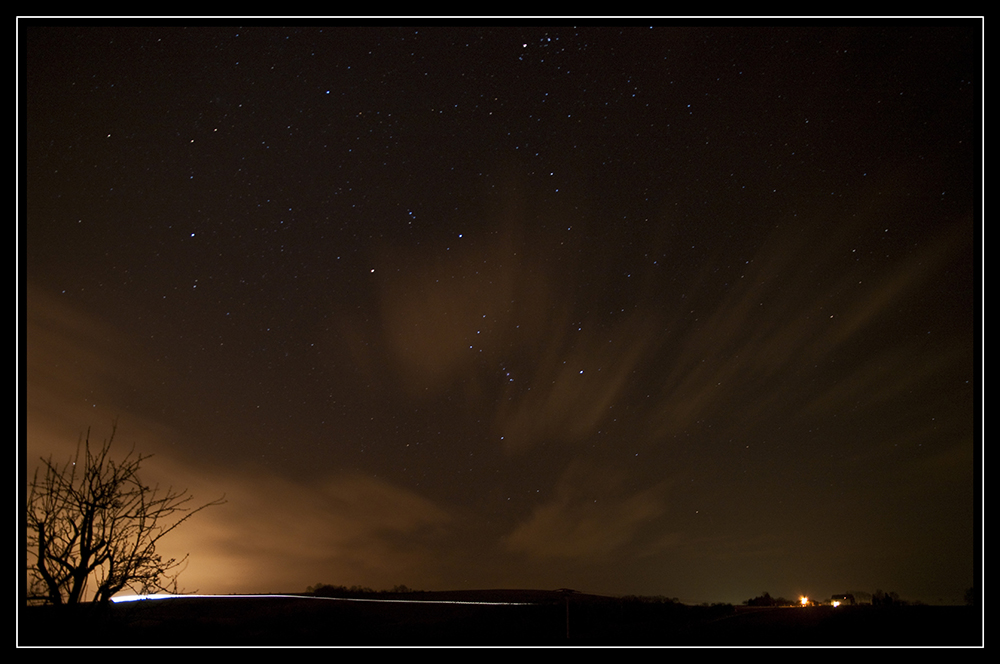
842 600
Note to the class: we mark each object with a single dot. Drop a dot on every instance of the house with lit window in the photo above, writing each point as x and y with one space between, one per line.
842 600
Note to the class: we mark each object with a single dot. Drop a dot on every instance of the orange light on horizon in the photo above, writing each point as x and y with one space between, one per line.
804 601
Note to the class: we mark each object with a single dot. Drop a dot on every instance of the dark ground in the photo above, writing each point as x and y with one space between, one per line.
592 621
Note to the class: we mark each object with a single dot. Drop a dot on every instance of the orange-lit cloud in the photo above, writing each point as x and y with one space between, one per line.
274 534
591 517
78 370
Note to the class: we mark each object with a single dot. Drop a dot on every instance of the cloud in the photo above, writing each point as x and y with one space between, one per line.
444 310
280 535
275 532
574 388
78 366
495 322
590 518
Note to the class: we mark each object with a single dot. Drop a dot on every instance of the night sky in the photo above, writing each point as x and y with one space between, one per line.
686 311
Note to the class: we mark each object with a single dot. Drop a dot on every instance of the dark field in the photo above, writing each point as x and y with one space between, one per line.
285 621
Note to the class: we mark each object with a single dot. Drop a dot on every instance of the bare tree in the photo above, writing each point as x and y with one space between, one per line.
93 520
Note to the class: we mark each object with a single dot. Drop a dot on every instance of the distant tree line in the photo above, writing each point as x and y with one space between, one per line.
886 599
767 600
650 599
878 598
328 590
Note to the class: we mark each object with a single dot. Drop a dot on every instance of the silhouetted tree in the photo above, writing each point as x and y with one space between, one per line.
94 521
767 600
327 590
886 599
861 596
761 600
